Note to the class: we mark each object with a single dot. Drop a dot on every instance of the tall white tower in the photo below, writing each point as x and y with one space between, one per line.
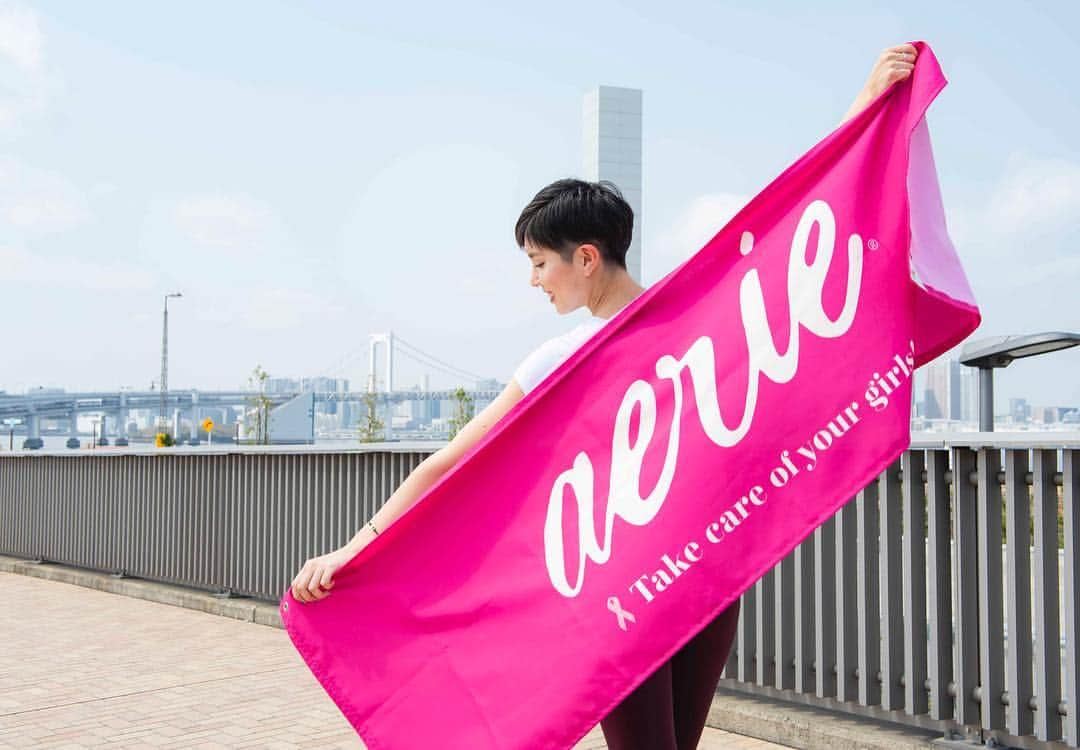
612 147
387 340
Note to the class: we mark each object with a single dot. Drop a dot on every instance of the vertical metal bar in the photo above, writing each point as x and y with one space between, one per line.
340 529
915 672
825 608
805 623
1018 579
1047 629
1070 474
731 666
986 399
784 608
326 508
966 633
991 615
940 646
273 576
222 498
766 632
869 604
846 625
352 521
892 588
746 636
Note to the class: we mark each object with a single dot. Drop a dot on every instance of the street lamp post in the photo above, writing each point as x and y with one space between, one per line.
164 392
10 422
992 353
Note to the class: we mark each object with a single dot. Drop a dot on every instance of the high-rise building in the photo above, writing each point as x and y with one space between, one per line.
612 148
969 394
943 399
1019 410
952 391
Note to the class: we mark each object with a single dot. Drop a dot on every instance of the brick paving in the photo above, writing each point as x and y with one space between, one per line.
81 668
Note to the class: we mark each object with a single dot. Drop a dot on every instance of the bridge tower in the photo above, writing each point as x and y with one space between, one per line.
33 439
387 339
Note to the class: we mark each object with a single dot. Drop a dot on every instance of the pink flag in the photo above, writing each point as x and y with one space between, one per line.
665 466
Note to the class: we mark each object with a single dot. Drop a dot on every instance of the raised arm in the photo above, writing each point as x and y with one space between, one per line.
894 64
315 578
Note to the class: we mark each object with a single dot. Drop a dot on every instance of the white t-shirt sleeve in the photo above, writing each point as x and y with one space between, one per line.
540 363
546 358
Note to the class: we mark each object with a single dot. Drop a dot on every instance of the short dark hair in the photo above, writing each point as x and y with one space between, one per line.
571 212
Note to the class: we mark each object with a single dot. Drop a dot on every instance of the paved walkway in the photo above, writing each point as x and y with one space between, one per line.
81 668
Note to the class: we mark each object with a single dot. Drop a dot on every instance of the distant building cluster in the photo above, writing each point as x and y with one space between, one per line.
951 393
410 419
950 400
307 385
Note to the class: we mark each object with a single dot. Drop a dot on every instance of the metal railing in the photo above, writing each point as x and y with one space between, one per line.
235 520
967 625
970 624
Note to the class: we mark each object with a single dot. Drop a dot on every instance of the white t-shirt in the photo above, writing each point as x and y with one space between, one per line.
543 360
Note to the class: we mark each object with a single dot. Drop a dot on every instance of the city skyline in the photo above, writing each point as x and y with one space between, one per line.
272 189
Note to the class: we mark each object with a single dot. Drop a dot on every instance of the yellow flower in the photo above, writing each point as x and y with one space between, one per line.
159 440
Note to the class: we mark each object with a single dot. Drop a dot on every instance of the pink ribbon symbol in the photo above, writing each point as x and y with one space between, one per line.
622 614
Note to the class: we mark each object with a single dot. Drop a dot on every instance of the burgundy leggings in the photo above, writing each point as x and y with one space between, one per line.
668 710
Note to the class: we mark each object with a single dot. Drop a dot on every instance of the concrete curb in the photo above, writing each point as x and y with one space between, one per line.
809 728
249 610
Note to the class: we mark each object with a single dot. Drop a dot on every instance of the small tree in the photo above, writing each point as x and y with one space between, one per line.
260 404
372 429
463 412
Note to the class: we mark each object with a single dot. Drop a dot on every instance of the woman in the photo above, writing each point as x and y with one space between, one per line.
576 235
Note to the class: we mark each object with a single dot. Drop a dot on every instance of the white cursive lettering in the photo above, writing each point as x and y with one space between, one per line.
805 287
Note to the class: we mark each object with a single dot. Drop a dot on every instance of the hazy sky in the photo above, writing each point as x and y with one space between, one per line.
307 174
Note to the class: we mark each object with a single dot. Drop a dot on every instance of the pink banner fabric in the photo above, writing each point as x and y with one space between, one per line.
665 466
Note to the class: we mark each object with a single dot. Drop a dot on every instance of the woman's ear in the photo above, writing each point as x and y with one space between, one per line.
590 256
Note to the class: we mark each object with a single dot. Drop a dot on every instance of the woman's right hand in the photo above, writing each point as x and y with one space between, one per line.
315 579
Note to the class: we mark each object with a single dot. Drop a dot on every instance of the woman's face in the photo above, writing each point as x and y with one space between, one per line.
566 283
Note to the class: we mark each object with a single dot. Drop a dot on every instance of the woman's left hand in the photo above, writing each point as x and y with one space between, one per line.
894 64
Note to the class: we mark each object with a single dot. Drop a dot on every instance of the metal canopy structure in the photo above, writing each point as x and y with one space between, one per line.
991 353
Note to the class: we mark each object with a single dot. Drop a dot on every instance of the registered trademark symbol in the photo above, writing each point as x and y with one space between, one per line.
873 244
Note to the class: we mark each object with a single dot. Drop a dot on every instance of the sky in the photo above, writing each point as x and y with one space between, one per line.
309 174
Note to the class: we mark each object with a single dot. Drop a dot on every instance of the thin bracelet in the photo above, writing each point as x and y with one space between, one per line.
369 523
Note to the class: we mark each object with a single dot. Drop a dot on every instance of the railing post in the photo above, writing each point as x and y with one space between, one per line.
766 632
1047 630
1018 577
869 605
784 609
747 644
846 625
806 624
940 646
966 632
892 588
991 619
915 674
1070 472
825 607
